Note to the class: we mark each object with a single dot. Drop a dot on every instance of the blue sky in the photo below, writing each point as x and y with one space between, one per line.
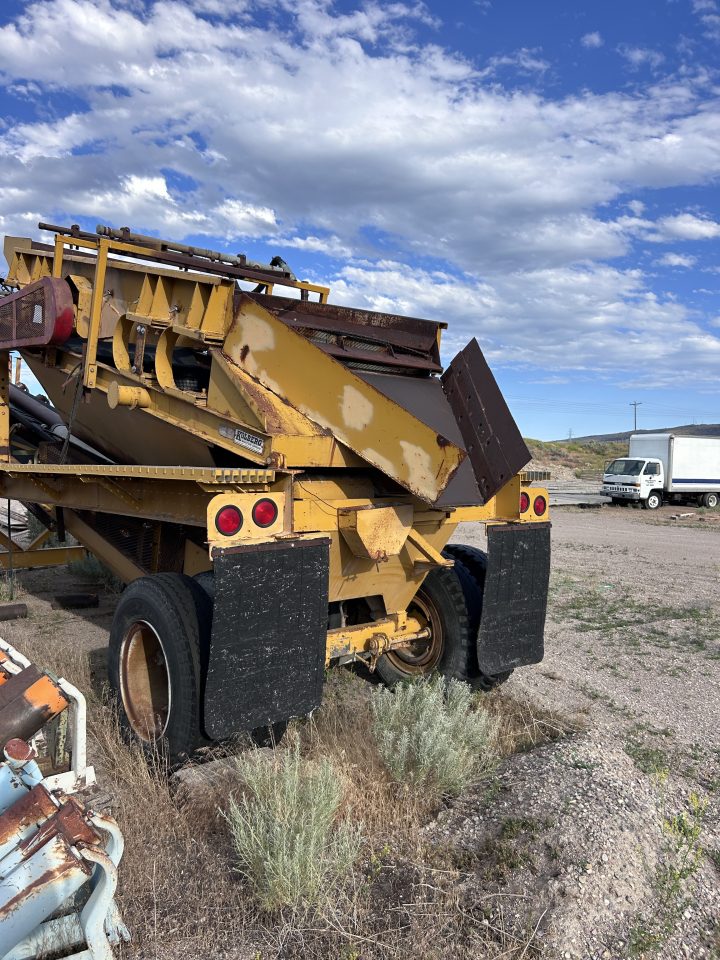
540 175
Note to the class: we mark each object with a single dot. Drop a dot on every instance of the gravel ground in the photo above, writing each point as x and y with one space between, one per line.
632 650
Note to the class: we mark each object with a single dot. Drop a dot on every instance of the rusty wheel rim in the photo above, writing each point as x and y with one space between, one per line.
421 656
145 681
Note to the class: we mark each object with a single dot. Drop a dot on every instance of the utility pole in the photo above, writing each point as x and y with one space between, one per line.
635 404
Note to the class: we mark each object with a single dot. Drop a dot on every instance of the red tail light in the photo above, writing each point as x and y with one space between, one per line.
229 521
540 505
524 502
265 513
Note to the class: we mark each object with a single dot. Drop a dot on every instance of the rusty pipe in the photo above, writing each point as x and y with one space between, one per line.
27 701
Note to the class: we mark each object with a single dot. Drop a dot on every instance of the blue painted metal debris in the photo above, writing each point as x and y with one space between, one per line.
58 858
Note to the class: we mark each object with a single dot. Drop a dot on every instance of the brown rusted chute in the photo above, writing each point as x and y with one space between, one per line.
493 442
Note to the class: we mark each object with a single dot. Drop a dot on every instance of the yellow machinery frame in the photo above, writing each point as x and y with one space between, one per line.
268 400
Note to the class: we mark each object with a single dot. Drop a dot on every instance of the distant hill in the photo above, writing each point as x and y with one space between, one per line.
688 430
584 457
579 459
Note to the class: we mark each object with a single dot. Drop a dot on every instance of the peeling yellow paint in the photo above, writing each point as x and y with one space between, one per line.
419 464
257 336
357 411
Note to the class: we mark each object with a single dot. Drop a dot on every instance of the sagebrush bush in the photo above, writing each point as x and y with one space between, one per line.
431 737
285 828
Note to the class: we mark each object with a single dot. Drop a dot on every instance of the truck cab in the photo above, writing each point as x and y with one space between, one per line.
634 479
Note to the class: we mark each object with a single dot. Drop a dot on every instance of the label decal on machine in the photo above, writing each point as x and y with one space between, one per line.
243 438
37 313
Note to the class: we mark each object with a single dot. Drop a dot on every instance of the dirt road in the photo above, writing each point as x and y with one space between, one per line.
633 632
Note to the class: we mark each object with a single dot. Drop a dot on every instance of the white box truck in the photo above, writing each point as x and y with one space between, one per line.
661 467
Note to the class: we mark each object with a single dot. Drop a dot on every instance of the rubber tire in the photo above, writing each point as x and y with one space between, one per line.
653 501
269 736
176 607
711 500
475 561
443 588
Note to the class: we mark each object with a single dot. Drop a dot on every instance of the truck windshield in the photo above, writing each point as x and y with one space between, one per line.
625 468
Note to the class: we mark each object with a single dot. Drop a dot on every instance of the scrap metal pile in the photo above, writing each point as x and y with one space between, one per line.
58 858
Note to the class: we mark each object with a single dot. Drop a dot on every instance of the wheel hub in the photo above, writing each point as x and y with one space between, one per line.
145 681
423 654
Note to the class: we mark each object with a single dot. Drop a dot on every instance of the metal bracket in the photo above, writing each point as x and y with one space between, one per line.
431 556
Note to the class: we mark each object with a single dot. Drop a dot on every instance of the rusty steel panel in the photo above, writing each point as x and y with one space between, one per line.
361 336
27 701
424 398
494 444
30 808
410 333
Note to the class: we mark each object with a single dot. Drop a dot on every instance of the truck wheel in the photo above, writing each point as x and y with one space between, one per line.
158 641
439 603
711 500
474 561
654 500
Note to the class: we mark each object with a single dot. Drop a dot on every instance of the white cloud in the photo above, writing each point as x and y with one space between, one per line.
686 226
331 246
681 226
233 218
594 318
592 40
342 134
524 60
676 260
641 56
709 15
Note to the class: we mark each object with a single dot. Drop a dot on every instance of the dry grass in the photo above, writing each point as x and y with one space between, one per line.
182 898
10 588
523 725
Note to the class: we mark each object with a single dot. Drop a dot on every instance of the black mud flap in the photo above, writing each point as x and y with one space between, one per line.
267 654
512 624
494 444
